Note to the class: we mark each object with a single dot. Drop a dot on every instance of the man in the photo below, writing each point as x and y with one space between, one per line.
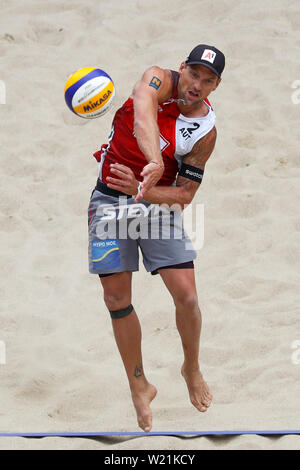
160 142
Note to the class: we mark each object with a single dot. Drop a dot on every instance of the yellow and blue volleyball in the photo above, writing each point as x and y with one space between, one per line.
89 92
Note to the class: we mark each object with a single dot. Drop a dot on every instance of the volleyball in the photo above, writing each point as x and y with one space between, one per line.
89 92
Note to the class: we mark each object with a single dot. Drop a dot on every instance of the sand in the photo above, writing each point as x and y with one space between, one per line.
63 372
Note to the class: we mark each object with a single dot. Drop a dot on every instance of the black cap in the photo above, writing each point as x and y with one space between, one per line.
209 56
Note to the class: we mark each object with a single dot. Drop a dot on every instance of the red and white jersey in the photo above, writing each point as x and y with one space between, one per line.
178 135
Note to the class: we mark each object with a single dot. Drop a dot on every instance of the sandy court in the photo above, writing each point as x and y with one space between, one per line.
63 371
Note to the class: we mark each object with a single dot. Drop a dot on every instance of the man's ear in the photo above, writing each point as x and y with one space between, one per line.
182 66
218 83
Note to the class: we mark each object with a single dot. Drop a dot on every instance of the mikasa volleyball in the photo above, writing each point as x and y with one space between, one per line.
89 92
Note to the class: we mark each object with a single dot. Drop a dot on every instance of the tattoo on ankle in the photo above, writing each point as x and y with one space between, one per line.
138 371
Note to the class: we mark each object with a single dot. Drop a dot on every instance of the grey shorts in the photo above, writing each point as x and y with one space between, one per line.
119 228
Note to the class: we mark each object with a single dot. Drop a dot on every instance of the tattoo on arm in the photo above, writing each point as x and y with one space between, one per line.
198 157
155 82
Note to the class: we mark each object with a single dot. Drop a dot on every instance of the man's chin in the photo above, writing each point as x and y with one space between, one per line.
186 100
192 102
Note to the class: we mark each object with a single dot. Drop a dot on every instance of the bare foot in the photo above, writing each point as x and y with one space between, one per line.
141 400
200 394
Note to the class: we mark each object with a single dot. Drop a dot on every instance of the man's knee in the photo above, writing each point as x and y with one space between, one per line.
187 301
117 290
116 300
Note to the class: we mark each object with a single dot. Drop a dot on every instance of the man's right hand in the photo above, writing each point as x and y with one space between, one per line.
151 174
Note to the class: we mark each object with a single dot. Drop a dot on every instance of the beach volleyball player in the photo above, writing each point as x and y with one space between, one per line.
161 139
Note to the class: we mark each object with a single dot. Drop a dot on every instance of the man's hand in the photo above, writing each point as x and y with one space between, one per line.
151 174
125 180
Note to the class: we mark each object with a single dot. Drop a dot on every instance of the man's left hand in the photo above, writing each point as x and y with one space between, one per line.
125 180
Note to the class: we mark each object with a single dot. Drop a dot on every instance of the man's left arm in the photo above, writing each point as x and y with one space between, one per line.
189 177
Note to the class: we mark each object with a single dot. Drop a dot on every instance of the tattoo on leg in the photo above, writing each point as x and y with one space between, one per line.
138 371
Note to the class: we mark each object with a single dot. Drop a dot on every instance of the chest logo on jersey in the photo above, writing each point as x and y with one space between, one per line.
164 143
187 132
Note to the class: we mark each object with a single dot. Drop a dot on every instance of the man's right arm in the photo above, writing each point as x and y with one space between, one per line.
153 88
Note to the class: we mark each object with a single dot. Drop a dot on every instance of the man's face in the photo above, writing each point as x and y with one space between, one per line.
196 82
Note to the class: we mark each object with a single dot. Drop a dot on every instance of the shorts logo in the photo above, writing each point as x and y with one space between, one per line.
155 83
209 55
106 254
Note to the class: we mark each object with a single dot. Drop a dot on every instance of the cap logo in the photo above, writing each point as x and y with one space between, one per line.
209 55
